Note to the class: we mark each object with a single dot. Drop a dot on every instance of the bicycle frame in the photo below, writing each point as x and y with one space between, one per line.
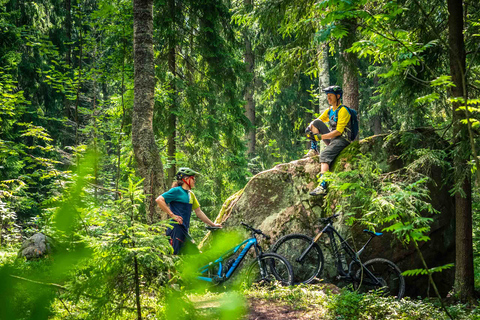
221 276
331 232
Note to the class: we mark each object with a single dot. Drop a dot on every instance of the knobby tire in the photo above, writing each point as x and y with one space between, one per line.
393 283
275 267
291 247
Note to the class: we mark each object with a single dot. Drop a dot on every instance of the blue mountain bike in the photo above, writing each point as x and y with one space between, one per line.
266 267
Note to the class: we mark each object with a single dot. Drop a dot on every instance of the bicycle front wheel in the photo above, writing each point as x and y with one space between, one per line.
270 267
387 273
292 247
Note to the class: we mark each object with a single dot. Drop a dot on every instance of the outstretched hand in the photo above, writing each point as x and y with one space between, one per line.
217 225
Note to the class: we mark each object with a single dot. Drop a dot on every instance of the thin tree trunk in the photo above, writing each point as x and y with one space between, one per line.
249 89
349 66
95 128
78 88
120 135
137 288
147 154
323 76
377 121
172 120
68 57
464 272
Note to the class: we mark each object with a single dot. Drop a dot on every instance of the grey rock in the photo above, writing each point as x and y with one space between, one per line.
36 246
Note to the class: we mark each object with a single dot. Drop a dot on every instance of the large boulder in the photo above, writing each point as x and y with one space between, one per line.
277 202
36 246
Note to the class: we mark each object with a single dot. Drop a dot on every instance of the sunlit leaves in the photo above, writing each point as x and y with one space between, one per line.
427 98
416 272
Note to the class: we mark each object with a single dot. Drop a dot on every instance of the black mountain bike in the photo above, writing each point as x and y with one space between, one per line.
306 258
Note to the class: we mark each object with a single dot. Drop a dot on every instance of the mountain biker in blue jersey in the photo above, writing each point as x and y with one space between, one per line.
178 203
336 138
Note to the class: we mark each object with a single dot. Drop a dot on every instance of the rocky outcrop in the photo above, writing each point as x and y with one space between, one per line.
36 246
277 202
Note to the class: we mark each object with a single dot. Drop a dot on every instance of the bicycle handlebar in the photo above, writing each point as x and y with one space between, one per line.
212 228
329 219
258 231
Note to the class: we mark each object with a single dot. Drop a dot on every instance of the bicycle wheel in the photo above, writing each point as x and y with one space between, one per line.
391 280
292 247
269 268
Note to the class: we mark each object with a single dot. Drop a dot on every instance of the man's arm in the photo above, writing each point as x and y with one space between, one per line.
163 205
204 218
332 134
343 119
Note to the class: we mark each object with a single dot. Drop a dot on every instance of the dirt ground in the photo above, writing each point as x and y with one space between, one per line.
266 310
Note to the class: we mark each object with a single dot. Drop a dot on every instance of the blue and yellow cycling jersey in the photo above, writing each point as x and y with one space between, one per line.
337 120
181 202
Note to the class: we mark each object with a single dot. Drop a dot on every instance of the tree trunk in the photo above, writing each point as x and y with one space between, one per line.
95 126
249 89
464 273
68 56
172 119
377 121
349 66
147 155
323 76
77 124
120 135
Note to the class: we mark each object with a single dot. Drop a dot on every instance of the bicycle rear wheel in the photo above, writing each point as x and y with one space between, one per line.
269 268
292 247
388 274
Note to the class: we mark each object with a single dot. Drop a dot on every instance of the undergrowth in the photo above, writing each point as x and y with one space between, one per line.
351 305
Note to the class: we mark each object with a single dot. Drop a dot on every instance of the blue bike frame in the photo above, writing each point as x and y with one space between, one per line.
220 276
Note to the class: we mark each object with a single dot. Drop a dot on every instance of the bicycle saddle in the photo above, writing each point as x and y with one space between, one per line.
377 234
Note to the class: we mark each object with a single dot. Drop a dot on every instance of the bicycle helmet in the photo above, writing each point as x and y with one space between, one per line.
334 90
185 172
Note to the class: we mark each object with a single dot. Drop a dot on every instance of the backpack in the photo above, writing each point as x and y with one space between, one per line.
353 121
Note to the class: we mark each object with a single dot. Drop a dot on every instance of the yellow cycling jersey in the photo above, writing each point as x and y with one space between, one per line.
341 122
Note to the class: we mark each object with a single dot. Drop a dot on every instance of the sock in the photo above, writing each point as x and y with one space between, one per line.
323 184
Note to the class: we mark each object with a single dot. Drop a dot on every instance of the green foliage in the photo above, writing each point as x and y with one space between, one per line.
416 272
396 202
318 300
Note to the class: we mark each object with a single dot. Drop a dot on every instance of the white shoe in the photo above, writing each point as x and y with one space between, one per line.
311 153
318 191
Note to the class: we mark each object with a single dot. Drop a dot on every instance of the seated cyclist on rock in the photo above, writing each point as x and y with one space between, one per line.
178 203
336 138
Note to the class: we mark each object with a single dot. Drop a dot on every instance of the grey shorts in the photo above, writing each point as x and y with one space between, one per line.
336 145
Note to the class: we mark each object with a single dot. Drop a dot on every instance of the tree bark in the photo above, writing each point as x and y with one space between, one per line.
172 119
349 66
68 59
377 121
323 76
147 155
464 272
249 89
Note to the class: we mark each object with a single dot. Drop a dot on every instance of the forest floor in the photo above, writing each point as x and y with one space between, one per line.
319 302
261 309
267 309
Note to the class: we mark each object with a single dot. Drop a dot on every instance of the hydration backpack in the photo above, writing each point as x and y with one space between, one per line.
353 121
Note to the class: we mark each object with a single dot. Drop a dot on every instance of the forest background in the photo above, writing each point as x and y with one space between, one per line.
102 101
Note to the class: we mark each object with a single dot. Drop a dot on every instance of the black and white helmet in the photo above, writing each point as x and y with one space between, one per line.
334 90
